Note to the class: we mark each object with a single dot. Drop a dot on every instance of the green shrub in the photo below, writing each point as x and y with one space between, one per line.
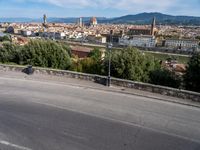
165 78
37 53
131 64
192 76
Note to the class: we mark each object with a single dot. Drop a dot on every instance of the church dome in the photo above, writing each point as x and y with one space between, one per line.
93 21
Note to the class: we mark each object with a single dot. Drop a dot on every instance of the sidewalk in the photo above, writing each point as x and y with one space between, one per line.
93 85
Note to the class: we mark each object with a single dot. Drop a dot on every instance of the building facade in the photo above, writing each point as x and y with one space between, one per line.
144 30
138 41
140 36
181 43
96 39
26 33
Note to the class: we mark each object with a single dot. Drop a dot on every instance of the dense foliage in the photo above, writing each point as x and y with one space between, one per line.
45 54
37 53
192 76
128 63
9 53
165 77
92 64
5 38
131 64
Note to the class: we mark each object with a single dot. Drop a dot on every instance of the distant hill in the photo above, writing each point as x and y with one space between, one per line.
146 18
51 19
142 18
16 20
74 20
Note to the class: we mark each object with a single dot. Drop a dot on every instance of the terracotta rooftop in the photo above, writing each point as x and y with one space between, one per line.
140 28
81 49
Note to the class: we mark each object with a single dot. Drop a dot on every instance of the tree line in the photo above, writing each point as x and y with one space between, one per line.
130 63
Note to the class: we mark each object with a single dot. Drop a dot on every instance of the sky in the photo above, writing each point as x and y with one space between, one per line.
100 8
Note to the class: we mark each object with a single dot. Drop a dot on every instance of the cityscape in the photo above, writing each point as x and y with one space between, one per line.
99 75
177 37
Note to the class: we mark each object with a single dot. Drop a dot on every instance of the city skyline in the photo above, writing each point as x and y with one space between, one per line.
103 8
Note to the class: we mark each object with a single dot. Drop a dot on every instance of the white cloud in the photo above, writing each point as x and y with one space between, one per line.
117 4
148 5
180 7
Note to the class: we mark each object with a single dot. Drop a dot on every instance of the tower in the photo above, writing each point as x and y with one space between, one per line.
80 22
121 33
153 26
44 19
44 22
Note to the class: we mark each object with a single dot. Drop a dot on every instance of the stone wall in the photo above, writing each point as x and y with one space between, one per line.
55 72
179 93
114 81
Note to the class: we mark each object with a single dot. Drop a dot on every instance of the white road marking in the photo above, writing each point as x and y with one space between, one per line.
14 145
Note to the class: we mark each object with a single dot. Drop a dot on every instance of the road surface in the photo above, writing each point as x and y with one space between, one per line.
41 115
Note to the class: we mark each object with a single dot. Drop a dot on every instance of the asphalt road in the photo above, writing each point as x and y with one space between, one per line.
38 115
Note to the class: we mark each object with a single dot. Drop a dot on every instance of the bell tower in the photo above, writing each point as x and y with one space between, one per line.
153 26
44 24
44 19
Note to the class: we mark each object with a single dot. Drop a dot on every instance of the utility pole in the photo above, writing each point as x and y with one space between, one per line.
109 48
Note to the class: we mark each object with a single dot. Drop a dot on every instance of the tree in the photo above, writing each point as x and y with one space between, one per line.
37 53
92 64
45 54
192 76
131 64
165 77
66 48
88 65
197 37
95 54
9 53
5 38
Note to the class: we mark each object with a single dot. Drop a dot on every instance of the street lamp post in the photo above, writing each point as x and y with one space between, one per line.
109 47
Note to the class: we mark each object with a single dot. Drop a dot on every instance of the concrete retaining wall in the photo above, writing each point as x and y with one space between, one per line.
114 81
